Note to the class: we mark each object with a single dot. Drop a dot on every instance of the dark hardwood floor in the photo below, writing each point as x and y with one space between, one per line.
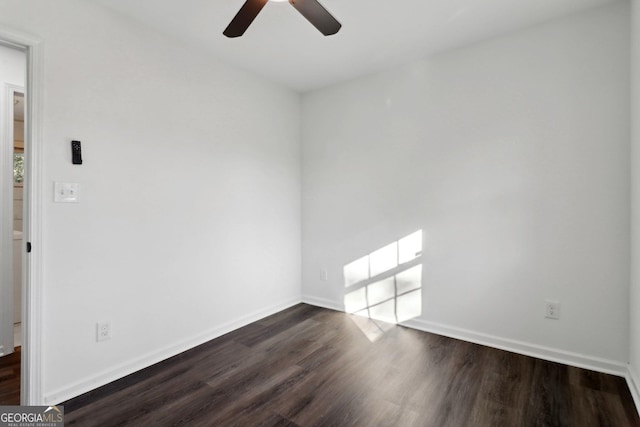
10 378
308 366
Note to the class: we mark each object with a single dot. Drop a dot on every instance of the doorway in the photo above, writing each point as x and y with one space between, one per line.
31 390
30 47
13 71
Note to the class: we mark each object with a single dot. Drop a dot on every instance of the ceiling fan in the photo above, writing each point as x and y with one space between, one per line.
310 9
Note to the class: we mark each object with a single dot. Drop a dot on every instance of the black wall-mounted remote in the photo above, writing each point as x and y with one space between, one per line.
76 153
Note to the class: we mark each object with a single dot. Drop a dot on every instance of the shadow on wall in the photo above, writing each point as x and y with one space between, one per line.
386 285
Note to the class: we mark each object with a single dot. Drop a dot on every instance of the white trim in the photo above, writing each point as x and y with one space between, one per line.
31 380
129 367
633 382
322 302
541 352
32 302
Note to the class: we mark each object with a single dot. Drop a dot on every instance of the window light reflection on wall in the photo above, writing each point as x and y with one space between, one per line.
386 284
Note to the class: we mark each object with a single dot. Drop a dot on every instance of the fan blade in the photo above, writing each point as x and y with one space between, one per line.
244 18
317 15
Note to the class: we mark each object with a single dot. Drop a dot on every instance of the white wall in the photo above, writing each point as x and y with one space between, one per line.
12 66
189 218
634 300
512 157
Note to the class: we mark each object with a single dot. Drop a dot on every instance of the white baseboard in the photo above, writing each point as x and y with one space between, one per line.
541 352
633 381
129 367
322 302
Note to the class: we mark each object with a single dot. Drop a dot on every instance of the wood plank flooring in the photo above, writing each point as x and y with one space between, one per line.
308 366
10 378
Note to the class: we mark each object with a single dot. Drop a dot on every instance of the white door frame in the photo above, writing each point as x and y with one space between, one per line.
31 392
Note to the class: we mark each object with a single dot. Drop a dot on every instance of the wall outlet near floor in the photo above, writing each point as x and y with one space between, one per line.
103 331
324 274
552 309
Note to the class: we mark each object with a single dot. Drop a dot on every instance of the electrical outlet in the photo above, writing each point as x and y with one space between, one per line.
324 274
103 331
552 309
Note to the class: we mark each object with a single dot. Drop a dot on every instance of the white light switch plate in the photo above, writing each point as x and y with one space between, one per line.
66 192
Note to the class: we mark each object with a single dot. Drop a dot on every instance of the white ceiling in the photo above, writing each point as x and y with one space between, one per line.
376 34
